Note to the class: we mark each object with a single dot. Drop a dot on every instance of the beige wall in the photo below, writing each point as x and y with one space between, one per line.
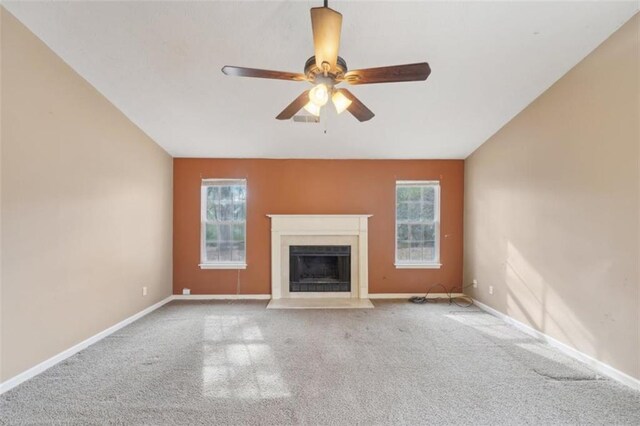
86 207
551 208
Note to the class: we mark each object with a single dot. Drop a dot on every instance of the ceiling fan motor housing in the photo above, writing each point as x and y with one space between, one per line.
316 74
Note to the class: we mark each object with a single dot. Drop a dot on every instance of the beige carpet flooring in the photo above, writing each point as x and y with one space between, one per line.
237 363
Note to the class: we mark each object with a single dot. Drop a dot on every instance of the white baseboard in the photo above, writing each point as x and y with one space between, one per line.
408 295
44 365
599 366
268 296
221 297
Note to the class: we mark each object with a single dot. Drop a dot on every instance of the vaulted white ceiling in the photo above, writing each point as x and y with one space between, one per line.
159 63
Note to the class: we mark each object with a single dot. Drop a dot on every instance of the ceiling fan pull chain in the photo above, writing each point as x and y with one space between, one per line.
324 120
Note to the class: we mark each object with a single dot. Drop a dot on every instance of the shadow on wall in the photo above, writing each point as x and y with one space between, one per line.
551 270
557 310
527 295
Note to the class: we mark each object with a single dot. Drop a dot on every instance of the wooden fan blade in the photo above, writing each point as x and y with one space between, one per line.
254 72
326 25
392 74
294 106
357 108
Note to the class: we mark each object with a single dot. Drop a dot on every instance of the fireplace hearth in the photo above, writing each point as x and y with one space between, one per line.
320 268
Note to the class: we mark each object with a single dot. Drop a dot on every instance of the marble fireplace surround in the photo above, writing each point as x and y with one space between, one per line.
287 230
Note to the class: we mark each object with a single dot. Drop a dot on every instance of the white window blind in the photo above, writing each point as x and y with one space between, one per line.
223 221
417 223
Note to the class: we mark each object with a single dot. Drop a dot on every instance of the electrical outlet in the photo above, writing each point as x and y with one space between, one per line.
186 291
490 289
475 283
144 291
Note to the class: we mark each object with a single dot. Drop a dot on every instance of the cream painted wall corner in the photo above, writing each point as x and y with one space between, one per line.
86 207
552 207
56 359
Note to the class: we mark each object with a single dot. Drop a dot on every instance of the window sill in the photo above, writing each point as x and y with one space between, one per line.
418 265
223 266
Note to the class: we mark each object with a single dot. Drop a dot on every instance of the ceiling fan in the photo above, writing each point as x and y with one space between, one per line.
326 70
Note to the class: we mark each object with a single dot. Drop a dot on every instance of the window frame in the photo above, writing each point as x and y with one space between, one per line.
435 263
204 263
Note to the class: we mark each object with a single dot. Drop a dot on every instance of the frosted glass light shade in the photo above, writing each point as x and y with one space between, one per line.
312 109
319 95
340 101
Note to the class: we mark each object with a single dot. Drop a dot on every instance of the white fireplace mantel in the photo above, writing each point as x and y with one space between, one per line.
319 230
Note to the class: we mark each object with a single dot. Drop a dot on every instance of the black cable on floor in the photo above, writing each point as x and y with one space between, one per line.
461 301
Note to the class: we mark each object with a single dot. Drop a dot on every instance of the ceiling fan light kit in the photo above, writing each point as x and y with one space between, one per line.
325 70
319 95
340 101
312 108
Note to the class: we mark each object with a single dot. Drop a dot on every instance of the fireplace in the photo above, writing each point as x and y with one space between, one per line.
309 236
320 268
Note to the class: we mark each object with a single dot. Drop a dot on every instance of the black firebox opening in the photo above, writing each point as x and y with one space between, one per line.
319 268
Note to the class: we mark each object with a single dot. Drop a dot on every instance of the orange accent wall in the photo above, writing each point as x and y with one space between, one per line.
315 187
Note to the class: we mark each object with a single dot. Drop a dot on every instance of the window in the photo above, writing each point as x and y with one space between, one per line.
223 221
417 224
